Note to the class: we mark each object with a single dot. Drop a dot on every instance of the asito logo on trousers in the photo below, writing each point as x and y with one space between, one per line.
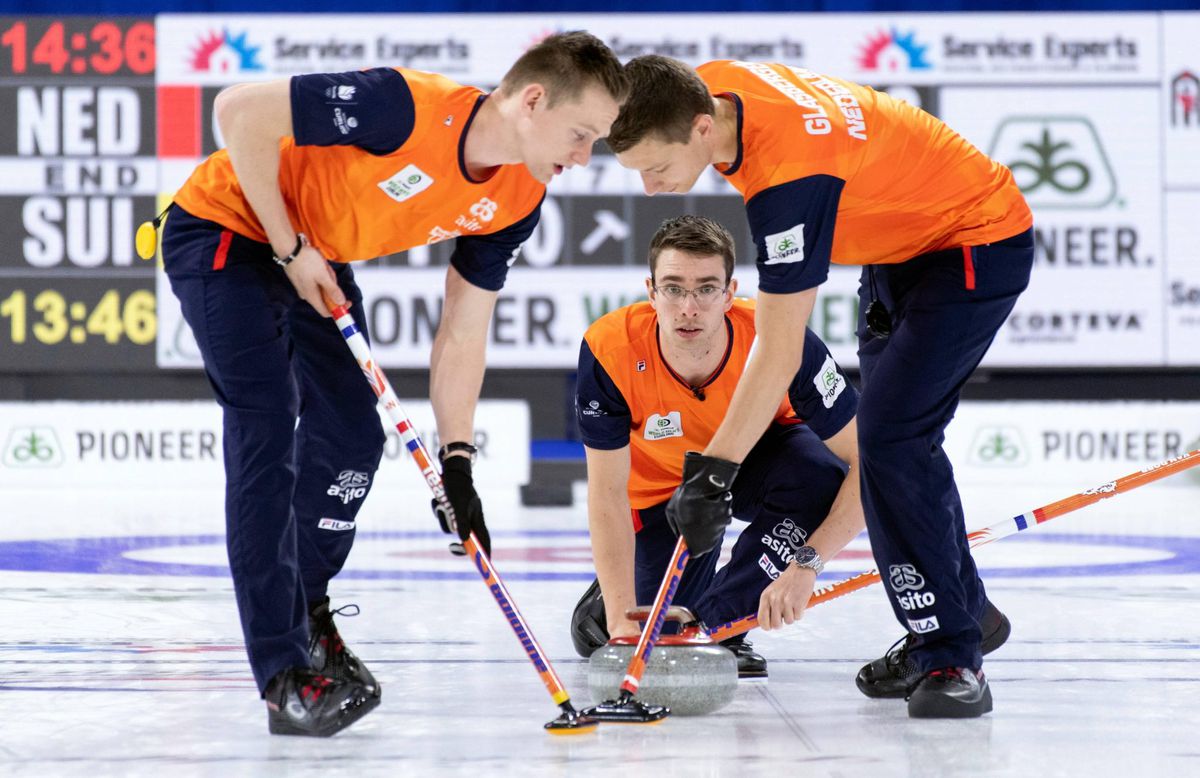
905 578
351 485
1057 161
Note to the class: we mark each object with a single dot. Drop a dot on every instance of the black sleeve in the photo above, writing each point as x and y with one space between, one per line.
792 225
820 393
484 260
600 408
372 109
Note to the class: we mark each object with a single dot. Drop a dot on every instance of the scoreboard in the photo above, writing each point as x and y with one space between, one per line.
78 172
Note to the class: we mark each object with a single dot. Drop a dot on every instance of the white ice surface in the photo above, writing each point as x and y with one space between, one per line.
134 674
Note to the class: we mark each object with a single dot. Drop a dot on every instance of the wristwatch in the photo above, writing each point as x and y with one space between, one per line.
808 558
457 445
301 242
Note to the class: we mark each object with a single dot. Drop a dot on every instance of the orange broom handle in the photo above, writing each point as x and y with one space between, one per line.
995 532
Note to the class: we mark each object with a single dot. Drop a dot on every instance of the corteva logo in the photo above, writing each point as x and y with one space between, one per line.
32 447
996 446
890 51
1185 100
225 52
1057 161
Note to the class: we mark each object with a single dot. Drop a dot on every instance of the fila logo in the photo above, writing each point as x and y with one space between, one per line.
335 525
768 567
905 578
641 365
921 626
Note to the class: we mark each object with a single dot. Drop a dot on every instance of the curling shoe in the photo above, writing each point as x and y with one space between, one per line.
750 664
302 702
329 655
950 693
894 673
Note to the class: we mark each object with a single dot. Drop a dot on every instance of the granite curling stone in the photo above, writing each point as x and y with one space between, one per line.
688 673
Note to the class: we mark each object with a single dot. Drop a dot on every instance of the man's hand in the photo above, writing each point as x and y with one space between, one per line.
699 510
314 280
784 601
468 509
622 627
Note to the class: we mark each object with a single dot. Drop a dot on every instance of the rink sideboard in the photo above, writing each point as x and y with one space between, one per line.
1098 116
1061 447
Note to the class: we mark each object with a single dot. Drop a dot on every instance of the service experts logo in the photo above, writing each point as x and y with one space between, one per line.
224 52
891 51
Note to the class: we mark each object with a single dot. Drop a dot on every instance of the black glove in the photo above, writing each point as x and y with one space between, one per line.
699 510
468 510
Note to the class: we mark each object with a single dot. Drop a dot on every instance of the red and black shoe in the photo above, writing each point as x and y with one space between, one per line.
302 702
950 693
328 652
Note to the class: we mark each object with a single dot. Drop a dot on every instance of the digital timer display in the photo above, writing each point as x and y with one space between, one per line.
76 46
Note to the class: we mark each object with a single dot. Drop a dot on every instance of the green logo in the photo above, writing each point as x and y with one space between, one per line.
998 447
664 422
830 378
414 179
1056 161
33 447
785 244
1048 166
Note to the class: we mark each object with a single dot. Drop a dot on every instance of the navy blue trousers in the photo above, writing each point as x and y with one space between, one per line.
292 490
946 308
784 490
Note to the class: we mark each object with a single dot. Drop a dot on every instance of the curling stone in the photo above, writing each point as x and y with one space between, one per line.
687 672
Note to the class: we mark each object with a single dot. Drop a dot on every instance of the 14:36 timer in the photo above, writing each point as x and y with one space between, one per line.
76 46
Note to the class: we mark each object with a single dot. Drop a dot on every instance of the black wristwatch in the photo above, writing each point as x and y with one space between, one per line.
457 445
301 242
808 558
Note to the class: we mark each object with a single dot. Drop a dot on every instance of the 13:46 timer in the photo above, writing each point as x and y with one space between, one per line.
52 318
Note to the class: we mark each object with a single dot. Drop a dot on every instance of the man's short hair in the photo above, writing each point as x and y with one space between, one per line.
665 96
567 64
693 235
